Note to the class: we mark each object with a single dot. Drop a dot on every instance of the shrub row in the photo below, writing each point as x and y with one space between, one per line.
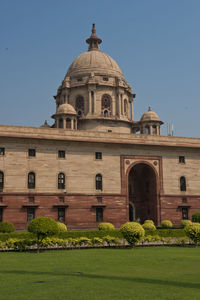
23 244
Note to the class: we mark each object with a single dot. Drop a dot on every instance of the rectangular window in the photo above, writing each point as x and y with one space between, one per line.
2 151
1 214
30 214
99 214
184 200
181 159
61 214
1 199
184 213
61 199
32 152
31 199
98 155
61 154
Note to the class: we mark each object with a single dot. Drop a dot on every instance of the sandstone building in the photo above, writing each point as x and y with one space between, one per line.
96 163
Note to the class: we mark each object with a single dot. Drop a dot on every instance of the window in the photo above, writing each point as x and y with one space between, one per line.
31 180
105 78
99 182
181 159
61 154
125 107
61 214
184 213
147 130
31 199
79 105
98 155
61 199
31 152
106 105
60 123
1 180
1 214
99 214
30 214
184 200
61 181
68 123
154 129
182 183
1 199
2 151
79 79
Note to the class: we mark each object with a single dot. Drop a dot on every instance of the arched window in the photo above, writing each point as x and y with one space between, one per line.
106 105
68 123
125 107
61 181
182 183
99 182
80 105
60 123
1 180
31 180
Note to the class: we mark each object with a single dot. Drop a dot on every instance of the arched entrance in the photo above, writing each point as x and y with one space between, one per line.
142 193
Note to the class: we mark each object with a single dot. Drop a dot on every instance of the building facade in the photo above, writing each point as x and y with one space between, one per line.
96 163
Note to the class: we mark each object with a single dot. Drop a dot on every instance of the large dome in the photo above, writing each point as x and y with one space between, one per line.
94 61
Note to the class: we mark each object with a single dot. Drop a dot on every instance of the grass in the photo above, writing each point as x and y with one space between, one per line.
144 273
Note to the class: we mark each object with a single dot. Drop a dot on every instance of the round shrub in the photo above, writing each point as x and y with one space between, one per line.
149 221
196 217
149 226
43 227
106 226
166 224
6 227
62 227
185 223
193 232
133 232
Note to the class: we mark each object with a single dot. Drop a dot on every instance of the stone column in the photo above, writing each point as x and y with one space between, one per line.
72 123
132 110
122 105
119 104
64 123
90 102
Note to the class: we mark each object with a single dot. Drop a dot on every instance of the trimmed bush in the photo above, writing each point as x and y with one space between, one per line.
166 224
133 232
149 221
185 223
196 217
43 227
193 232
106 226
62 227
6 227
149 226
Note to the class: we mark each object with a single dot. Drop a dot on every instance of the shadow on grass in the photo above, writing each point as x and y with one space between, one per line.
105 277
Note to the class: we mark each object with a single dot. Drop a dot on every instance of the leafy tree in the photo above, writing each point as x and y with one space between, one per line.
133 232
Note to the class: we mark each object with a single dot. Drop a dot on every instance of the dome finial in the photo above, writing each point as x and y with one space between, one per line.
149 108
93 40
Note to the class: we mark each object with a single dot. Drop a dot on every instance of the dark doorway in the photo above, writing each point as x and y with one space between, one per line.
142 193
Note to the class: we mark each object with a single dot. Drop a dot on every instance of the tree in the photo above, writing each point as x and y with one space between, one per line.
43 227
133 232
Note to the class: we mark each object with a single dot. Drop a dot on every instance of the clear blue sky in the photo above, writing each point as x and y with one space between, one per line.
155 42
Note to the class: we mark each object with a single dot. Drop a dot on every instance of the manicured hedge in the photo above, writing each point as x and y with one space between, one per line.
95 233
167 232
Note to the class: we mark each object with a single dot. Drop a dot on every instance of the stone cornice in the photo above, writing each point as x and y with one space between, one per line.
92 136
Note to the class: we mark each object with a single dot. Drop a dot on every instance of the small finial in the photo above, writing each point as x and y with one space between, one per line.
93 40
149 108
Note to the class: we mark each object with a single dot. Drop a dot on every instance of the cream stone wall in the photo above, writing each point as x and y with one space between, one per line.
80 165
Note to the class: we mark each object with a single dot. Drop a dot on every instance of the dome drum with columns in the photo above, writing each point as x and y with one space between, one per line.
94 95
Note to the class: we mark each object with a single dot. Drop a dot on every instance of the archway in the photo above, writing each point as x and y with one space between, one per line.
142 193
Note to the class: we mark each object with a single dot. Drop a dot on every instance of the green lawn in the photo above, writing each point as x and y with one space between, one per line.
142 273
